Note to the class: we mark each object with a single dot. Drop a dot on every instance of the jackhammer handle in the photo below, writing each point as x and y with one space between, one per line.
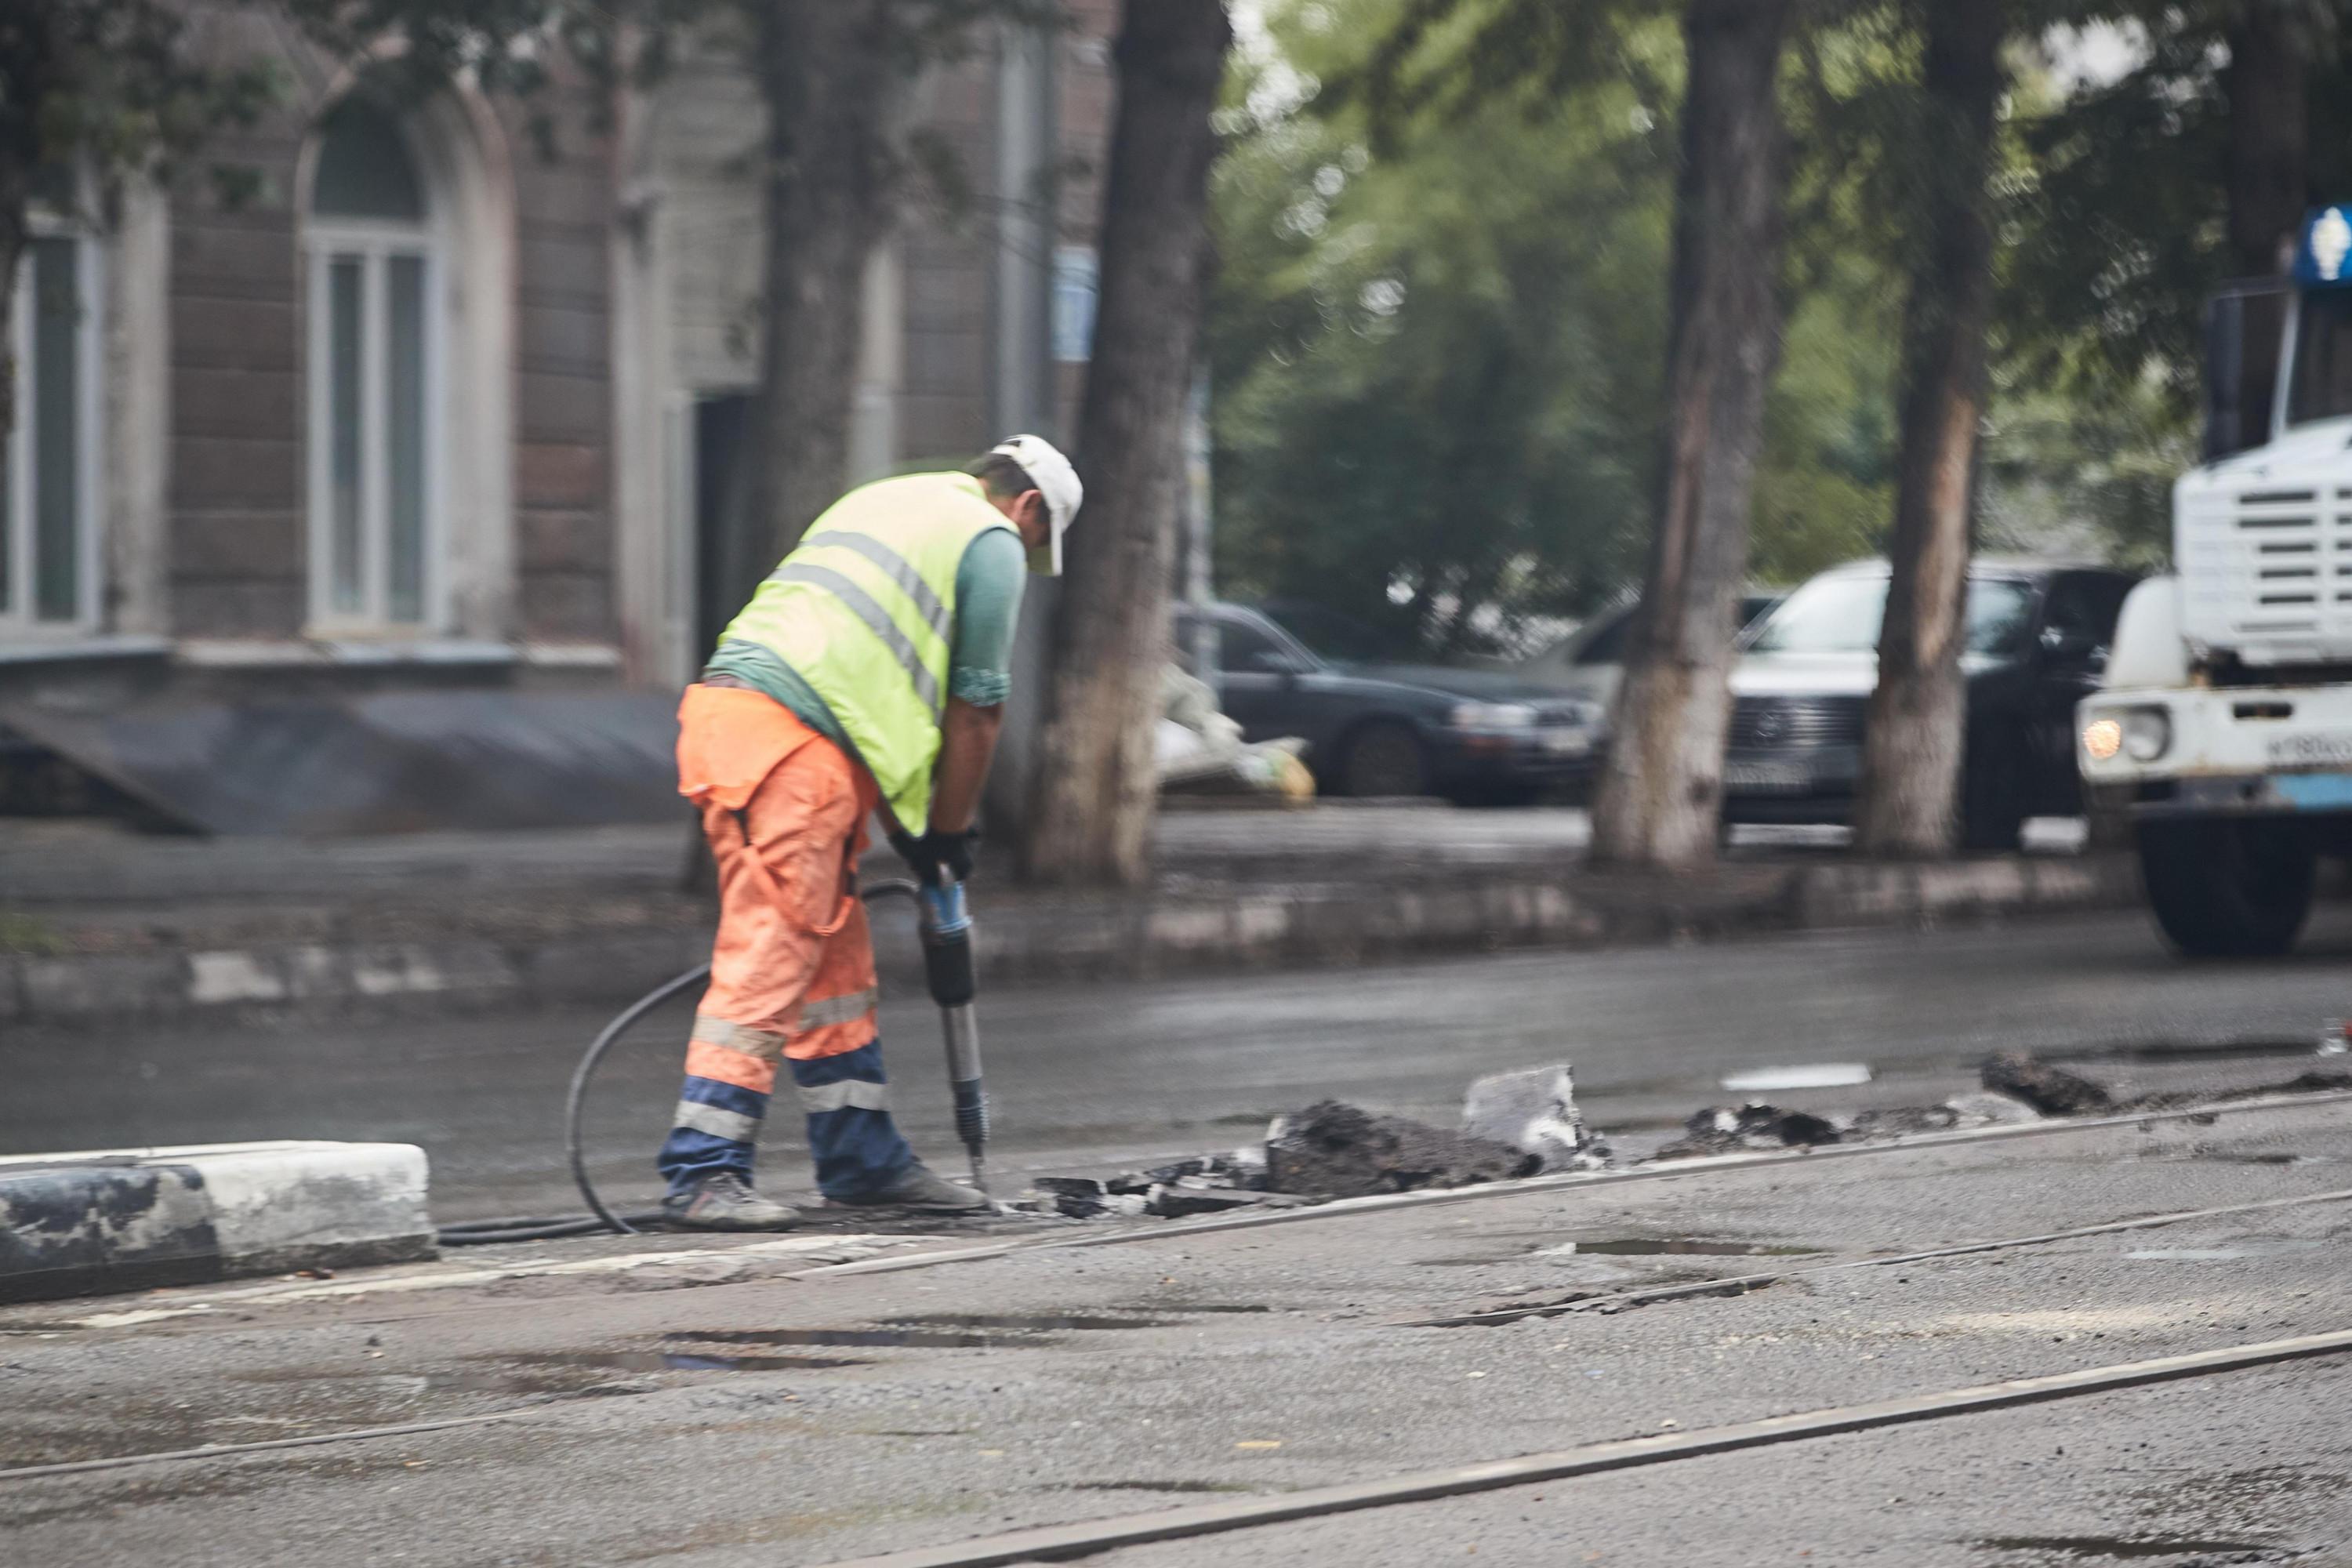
947 944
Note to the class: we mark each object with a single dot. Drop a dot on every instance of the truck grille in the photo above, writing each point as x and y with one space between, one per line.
2268 573
1767 722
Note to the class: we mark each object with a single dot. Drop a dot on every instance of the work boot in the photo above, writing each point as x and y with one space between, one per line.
726 1202
920 1188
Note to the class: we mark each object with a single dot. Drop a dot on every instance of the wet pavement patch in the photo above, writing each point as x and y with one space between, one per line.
1549 1246
1687 1247
918 1339
2118 1547
1036 1325
1151 1487
583 1372
684 1361
933 1331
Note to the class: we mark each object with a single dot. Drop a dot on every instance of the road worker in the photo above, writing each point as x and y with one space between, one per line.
868 671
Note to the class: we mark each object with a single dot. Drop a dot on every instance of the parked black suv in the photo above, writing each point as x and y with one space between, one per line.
1388 729
2037 643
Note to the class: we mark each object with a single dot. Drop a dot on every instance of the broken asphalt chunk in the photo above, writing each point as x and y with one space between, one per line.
1721 1130
1535 1112
1986 1109
1176 1203
1900 1120
1347 1152
2051 1090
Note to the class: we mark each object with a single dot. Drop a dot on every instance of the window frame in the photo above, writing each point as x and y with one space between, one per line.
374 242
20 623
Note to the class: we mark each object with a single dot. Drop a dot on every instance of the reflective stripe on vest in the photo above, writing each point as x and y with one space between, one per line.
877 620
902 575
864 613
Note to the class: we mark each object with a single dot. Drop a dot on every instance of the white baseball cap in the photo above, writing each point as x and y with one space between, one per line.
1057 482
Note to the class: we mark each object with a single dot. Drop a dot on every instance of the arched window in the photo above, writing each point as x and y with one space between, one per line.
374 367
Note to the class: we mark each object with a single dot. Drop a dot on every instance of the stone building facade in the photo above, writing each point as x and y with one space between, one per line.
438 408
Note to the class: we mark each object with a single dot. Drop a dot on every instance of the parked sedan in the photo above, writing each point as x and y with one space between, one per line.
2037 641
1590 660
1388 729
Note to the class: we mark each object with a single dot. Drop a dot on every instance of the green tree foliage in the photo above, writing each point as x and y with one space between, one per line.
1438 333
1437 367
111 85
89 90
2115 216
2115 221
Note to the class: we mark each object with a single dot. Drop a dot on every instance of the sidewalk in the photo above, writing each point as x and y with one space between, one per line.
98 924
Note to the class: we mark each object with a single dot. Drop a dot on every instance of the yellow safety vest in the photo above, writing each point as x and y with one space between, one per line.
864 611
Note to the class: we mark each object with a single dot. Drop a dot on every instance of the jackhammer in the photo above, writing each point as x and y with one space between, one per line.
945 922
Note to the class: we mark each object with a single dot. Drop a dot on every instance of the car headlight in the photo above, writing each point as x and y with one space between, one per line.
2102 739
2148 733
1492 716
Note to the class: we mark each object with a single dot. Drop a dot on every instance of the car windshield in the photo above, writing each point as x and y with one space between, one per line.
1842 615
1330 635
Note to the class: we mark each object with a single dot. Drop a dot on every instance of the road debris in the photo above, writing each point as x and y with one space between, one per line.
1178 1201
1518 1124
2051 1090
1902 1121
1723 1130
1243 1170
1345 1151
1986 1109
1535 1112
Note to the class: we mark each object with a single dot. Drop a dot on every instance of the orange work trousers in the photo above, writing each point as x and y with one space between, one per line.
792 973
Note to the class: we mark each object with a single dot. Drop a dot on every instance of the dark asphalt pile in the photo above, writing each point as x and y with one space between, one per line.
1335 1150
2017 1087
1726 1131
2054 1091
1344 1150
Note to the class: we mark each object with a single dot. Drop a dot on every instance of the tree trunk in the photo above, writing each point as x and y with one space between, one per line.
1914 739
833 79
1095 782
2268 132
1662 790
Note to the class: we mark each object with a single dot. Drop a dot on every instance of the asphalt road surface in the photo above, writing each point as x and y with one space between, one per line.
1086 1075
728 1417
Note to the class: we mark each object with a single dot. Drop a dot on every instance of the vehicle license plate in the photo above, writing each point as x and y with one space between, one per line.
1566 742
1767 777
2313 749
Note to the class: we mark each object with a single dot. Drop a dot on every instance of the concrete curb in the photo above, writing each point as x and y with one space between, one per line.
1193 926
78 1224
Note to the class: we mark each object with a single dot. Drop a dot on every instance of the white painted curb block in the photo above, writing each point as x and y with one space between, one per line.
116 1219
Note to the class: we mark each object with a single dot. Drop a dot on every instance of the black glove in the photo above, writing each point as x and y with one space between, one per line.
937 856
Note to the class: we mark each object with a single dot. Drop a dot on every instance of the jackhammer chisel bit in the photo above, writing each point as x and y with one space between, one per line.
947 967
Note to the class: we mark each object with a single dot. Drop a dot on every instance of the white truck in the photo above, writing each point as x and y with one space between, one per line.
2222 734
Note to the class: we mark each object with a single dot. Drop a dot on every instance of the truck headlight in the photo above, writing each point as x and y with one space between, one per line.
2102 739
2148 733
1492 716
